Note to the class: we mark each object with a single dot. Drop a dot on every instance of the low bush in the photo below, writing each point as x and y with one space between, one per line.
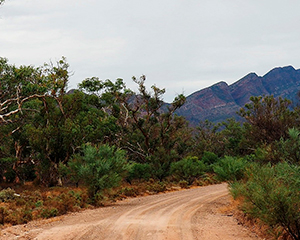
230 168
49 212
188 169
209 159
100 168
139 171
156 187
272 194
21 206
7 194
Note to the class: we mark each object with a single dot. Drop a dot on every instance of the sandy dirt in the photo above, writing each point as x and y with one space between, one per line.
188 214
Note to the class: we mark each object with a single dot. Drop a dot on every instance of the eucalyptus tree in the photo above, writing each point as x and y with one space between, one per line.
150 131
24 92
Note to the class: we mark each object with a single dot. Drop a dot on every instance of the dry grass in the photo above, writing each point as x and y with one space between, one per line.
33 202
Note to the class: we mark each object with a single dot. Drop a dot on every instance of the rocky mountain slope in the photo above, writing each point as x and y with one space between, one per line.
222 101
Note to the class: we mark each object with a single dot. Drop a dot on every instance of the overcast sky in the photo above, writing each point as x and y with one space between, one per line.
180 45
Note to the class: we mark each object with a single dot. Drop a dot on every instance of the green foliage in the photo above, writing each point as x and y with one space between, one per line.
209 159
289 149
139 171
7 194
268 119
161 161
49 212
233 137
188 169
101 167
272 193
230 168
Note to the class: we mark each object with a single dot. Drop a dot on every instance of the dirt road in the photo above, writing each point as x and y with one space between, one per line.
187 215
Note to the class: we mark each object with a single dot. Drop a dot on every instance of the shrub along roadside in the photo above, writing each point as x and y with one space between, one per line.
99 168
21 204
230 168
29 202
272 194
188 169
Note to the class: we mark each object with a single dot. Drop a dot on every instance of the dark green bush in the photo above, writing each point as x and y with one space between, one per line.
272 193
140 171
188 169
230 168
100 168
209 159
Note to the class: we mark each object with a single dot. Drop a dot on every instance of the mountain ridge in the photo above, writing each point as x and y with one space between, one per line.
221 101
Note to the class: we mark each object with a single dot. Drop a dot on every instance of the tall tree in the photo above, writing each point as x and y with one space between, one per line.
150 130
24 91
268 119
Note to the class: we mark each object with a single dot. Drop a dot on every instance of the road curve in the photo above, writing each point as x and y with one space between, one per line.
188 214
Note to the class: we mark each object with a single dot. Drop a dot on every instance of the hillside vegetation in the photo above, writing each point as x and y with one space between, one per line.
61 152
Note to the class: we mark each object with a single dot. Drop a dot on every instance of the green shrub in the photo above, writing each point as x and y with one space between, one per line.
230 168
209 159
7 194
49 213
272 193
156 187
188 169
26 215
39 203
139 171
100 167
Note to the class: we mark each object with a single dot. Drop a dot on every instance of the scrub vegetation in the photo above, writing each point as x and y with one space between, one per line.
63 151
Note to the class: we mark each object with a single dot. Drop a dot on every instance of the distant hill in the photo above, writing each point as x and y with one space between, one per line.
222 101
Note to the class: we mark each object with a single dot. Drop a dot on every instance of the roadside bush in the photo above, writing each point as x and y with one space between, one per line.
156 187
160 163
49 212
188 169
209 159
101 167
129 192
140 171
272 194
7 194
230 168
289 149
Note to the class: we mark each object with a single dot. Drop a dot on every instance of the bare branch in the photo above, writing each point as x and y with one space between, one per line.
19 101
